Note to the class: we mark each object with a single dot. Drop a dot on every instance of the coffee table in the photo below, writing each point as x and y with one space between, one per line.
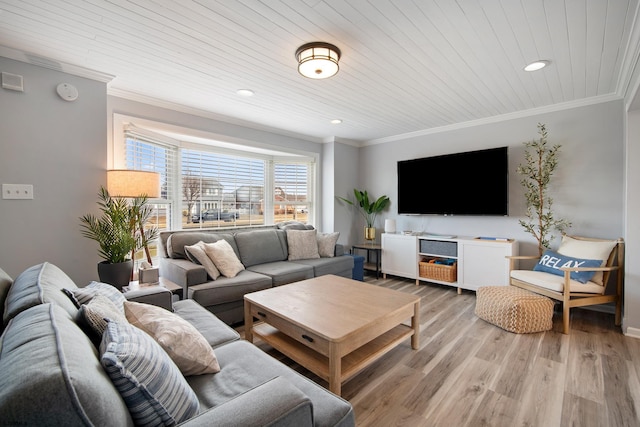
331 325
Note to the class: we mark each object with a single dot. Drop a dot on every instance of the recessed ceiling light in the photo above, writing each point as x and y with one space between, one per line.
336 121
537 65
244 92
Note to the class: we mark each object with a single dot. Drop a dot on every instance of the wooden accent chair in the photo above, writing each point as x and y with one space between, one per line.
572 293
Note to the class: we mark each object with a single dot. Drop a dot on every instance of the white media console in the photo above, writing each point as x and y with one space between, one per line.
480 261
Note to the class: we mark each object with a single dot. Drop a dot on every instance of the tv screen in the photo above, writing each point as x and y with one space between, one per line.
469 183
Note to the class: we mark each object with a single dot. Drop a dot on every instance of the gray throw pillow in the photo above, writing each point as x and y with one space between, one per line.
302 244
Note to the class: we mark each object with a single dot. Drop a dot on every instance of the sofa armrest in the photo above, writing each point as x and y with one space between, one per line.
154 295
339 251
276 402
183 273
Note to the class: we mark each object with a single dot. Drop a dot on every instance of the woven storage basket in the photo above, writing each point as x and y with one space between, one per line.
514 309
444 273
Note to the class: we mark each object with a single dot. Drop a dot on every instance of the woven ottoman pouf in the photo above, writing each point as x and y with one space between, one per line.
514 309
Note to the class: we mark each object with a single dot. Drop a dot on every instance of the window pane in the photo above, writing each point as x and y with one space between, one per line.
220 190
291 193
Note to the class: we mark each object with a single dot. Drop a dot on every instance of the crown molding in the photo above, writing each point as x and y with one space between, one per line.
499 118
44 62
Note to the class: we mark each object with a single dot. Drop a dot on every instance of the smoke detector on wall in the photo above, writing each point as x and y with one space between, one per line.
67 91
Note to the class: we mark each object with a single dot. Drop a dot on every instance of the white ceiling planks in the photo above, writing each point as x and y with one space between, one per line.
408 66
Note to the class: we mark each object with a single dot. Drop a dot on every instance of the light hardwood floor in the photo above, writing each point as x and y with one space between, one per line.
468 372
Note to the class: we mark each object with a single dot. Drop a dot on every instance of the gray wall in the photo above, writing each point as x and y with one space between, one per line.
632 277
587 186
60 148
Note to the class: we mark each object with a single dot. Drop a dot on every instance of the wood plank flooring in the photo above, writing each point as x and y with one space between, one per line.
468 372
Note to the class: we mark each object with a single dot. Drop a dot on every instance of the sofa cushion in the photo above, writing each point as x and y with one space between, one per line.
588 249
225 259
186 346
96 311
228 289
177 241
42 283
294 225
83 295
283 272
341 265
197 254
555 282
302 244
245 366
151 385
327 244
261 246
51 374
214 330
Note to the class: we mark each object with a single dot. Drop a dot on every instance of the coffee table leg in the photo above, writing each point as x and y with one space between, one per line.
415 324
335 369
248 322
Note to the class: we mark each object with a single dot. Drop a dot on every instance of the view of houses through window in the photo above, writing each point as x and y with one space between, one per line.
205 188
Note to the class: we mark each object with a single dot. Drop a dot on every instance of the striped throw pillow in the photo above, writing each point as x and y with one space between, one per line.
84 295
149 382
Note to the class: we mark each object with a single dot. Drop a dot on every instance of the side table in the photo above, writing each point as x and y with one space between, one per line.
159 293
370 248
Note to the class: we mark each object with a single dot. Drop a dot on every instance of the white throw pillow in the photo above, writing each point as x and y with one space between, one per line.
327 244
186 346
589 250
197 252
223 256
302 244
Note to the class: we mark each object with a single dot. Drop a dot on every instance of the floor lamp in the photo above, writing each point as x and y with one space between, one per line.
132 184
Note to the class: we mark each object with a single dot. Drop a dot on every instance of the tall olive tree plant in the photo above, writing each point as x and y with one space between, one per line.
540 162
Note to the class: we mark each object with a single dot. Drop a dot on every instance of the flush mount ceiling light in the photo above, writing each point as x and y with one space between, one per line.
244 92
537 65
336 121
318 60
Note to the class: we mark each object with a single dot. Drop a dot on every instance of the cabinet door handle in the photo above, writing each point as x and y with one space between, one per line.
308 338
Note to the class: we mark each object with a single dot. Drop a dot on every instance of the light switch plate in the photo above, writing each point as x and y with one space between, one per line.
17 191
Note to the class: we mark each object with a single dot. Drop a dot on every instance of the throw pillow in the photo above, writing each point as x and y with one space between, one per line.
302 244
225 259
96 311
197 254
552 262
150 384
186 346
589 250
327 244
83 295
294 225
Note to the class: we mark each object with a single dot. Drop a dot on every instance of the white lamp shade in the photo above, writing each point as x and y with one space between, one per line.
132 183
389 225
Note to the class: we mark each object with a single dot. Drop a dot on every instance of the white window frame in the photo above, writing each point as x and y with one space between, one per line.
230 145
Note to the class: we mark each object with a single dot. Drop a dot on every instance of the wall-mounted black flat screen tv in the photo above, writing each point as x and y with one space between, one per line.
469 183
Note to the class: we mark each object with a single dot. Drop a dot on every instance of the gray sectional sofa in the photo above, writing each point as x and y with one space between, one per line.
51 374
264 253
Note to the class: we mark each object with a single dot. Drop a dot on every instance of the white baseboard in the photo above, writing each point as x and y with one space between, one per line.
632 332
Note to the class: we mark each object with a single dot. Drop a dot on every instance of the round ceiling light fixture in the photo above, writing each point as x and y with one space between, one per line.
245 92
318 60
537 65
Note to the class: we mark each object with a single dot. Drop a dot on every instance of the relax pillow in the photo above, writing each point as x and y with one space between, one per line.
552 262
302 244
150 384
224 257
197 255
589 250
186 346
327 244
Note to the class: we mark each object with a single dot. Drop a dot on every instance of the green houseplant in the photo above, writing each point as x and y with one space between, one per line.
119 231
536 172
368 209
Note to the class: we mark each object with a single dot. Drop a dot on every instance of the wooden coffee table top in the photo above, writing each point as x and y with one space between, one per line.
334 307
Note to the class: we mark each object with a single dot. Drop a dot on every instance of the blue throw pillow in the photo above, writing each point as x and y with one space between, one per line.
552 262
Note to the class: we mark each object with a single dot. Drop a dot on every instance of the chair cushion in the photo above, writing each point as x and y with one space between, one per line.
552 262
554 282
588 250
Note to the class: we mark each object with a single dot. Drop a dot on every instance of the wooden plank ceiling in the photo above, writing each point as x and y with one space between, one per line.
407 66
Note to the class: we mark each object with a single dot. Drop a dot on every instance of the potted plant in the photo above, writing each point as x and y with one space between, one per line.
540 163
115 232
368 209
